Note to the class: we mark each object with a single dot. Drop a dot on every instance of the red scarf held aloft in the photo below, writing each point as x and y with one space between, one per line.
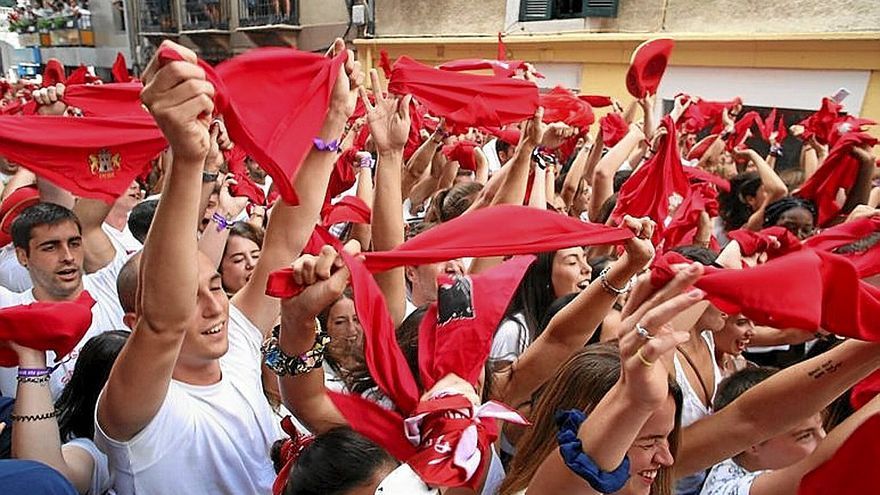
120 69
92 157
853 468
741 130
838 171
865 390
467 323
463 153
647 192
349 209
752 243
244 186
54 73
500 68
561 105
107 100
45 326
465 99
81 75
695 174
597 101
805 289
821 123
685 223
273 101
496 231
770 125
704 113
613 128
858 241
456 332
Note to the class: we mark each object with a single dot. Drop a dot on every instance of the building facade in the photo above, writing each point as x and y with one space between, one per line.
786 54
219 29
90 34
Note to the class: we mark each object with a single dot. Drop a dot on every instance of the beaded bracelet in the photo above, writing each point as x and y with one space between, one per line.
34 417
603 277
34 379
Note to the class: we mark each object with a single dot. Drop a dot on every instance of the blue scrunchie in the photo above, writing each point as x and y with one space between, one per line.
572 451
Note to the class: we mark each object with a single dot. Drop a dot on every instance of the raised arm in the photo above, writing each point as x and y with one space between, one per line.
212 243
748 421
512 189
389 122
178 96
787 481
414 170
573 326
362 232
40 440
99 250
773 186
614 425
576 172
290 227
324 278
860 192
603 175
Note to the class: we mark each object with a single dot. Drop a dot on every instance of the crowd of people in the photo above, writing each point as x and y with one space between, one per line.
439 281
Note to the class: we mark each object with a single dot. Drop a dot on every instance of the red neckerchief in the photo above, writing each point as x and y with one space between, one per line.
45 326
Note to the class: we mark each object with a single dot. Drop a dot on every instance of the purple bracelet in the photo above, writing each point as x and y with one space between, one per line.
30 372
321 145
222 223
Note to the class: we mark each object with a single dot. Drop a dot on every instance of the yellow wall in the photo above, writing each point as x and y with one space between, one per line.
605 57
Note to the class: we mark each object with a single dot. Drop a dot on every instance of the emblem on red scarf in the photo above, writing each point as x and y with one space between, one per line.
104 163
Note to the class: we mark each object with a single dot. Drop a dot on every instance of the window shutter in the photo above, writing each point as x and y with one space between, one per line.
600 8
535 10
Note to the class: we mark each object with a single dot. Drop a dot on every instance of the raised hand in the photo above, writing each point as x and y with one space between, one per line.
646 337
180 99
49 100
388 118
639 249
231 205
323 277
345 91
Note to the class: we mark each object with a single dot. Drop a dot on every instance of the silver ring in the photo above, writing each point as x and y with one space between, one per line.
643 332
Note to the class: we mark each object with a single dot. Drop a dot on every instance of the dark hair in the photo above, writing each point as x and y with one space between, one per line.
701 255
141 217
607 208
36 216
776 209
76 405
619 178
534 295
502 146
733 209
407 335
248 231
736 384
358 380
336 461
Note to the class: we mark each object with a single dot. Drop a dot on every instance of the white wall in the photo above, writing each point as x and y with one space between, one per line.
782 88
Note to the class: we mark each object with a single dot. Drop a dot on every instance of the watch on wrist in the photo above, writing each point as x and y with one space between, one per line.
285 365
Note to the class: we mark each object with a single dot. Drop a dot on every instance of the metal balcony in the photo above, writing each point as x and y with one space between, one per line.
157 16
205 15
258 13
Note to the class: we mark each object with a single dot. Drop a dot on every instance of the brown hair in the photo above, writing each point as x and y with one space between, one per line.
580 383
452 202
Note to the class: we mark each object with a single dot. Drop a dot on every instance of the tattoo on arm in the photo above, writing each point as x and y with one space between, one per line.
825 368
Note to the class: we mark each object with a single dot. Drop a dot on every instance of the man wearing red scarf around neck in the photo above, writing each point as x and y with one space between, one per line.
186 389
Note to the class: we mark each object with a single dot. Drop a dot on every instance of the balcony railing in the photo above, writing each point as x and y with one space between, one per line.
253 13
205 14
158 16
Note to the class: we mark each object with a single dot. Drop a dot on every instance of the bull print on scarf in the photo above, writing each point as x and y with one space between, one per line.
455 299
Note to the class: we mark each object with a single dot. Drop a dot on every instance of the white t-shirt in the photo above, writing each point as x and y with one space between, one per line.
122 240
106 315
102 481
729 478
13 276
511 339
204 439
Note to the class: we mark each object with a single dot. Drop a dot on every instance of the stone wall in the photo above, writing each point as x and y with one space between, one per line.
443 17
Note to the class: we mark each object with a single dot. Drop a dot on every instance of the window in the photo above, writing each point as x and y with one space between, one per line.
544 10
